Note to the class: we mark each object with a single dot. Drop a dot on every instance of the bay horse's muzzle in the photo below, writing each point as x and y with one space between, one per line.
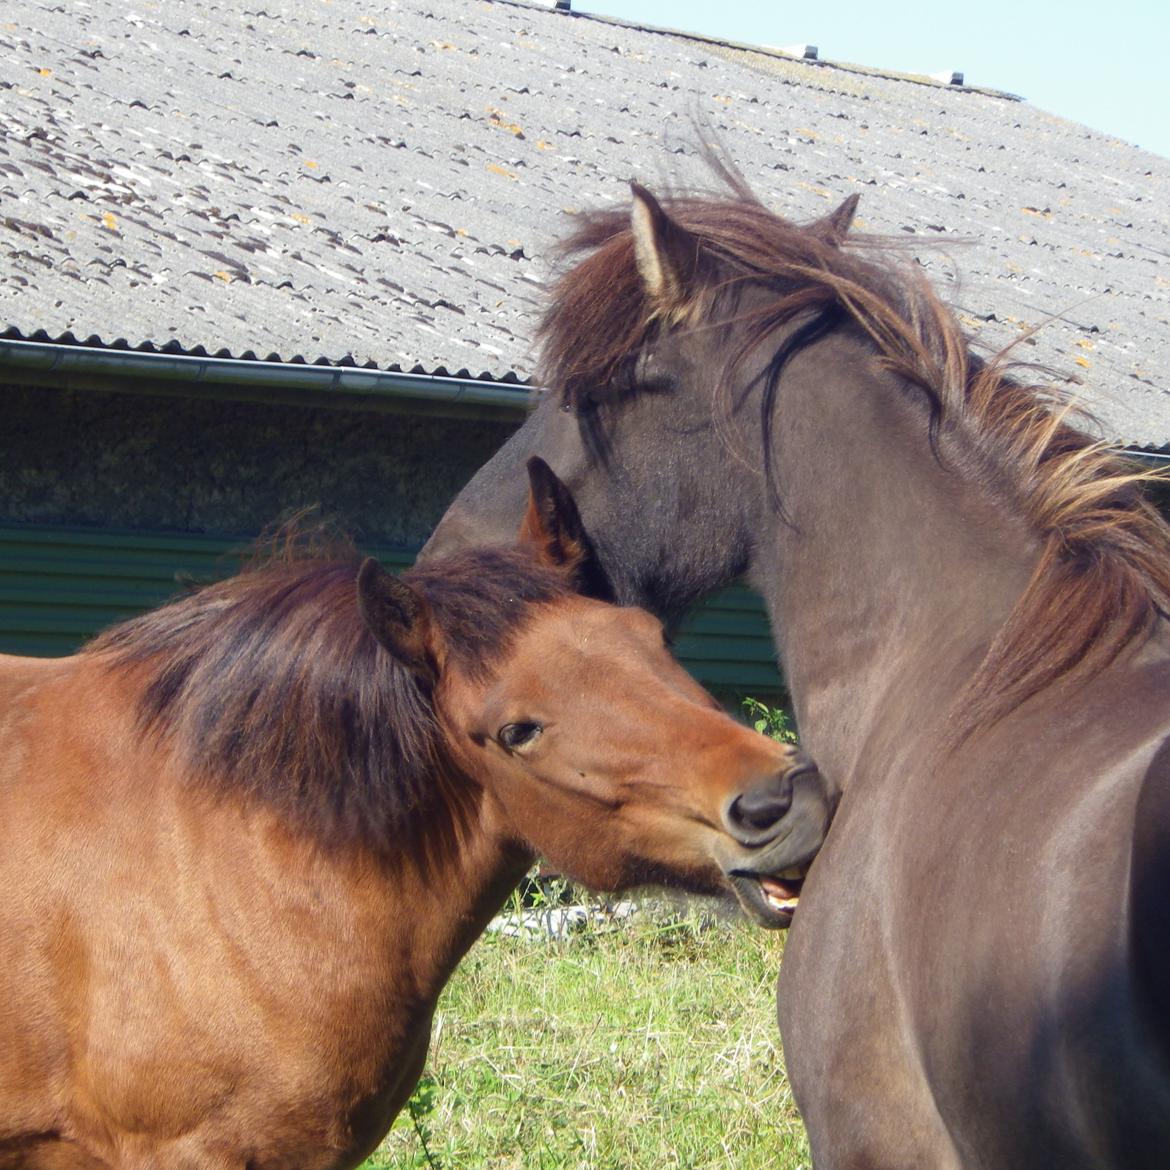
780 823
753 816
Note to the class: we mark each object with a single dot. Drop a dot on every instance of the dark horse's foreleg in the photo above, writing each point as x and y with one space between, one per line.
872 1131
859 1083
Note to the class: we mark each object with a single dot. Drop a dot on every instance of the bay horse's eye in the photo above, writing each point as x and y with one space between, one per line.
517 736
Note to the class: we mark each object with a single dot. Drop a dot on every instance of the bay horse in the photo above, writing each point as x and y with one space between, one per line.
968 597
245 838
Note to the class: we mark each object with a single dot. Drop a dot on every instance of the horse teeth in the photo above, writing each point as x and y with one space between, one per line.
778 903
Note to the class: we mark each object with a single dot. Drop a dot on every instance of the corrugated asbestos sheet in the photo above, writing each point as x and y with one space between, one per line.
386 182
59 586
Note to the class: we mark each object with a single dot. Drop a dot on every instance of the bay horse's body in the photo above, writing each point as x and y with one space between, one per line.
969 600
245 839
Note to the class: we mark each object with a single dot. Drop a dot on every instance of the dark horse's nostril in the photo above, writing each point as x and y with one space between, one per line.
752 816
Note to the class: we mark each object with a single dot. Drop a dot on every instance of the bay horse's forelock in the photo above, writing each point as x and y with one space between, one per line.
1104 576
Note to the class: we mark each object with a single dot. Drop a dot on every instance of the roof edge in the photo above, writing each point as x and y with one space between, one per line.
243 379
79 367
767 50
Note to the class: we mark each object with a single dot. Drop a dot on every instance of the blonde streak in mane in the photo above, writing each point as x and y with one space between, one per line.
1077 613
1057 628
1017 417
931 324
901 342
1097 526
1030 404
1034 427
1071 494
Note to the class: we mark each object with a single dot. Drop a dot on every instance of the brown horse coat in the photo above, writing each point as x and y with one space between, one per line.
245 839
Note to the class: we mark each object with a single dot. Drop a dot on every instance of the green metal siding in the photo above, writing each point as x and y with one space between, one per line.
58 586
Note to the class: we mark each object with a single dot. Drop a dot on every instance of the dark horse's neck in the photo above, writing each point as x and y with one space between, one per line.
888 574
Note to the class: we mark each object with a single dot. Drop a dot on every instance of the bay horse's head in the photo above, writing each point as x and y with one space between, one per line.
591 744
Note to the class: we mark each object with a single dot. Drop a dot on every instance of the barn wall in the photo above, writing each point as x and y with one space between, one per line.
109 502
229 468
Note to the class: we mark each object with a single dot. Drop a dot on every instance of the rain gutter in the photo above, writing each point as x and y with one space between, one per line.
76 367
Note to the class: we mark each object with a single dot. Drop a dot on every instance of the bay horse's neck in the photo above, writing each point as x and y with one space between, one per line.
890 573
446 888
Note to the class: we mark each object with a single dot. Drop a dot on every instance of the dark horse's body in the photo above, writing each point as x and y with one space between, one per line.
244 839
969 603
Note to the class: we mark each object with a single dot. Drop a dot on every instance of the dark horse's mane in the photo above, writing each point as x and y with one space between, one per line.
271 685
1103 576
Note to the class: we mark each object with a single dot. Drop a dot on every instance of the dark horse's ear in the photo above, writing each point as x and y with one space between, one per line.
834 227
553 526
667 255
398 617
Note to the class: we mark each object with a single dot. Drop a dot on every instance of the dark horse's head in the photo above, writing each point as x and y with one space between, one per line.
664 452
703 356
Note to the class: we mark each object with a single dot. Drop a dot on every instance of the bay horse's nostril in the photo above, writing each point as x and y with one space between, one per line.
752 815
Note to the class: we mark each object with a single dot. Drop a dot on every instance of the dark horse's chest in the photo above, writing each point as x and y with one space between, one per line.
962 959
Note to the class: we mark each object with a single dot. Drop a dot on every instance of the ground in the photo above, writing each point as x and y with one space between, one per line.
650 1042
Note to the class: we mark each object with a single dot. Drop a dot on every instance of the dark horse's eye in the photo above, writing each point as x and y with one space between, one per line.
650 373
515 736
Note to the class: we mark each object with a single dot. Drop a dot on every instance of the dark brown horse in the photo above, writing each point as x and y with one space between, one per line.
969 599
245 839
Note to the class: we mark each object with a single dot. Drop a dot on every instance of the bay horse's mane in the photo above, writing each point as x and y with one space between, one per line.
269 684
1103 577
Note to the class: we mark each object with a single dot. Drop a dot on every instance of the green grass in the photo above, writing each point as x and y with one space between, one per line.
650 1044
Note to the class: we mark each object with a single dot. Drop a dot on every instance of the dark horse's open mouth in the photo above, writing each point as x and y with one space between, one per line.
770 901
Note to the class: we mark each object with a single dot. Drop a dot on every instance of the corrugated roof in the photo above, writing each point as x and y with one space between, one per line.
384 184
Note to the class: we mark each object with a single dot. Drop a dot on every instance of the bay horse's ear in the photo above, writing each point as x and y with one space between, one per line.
552 525
666 254
834 227
398 617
